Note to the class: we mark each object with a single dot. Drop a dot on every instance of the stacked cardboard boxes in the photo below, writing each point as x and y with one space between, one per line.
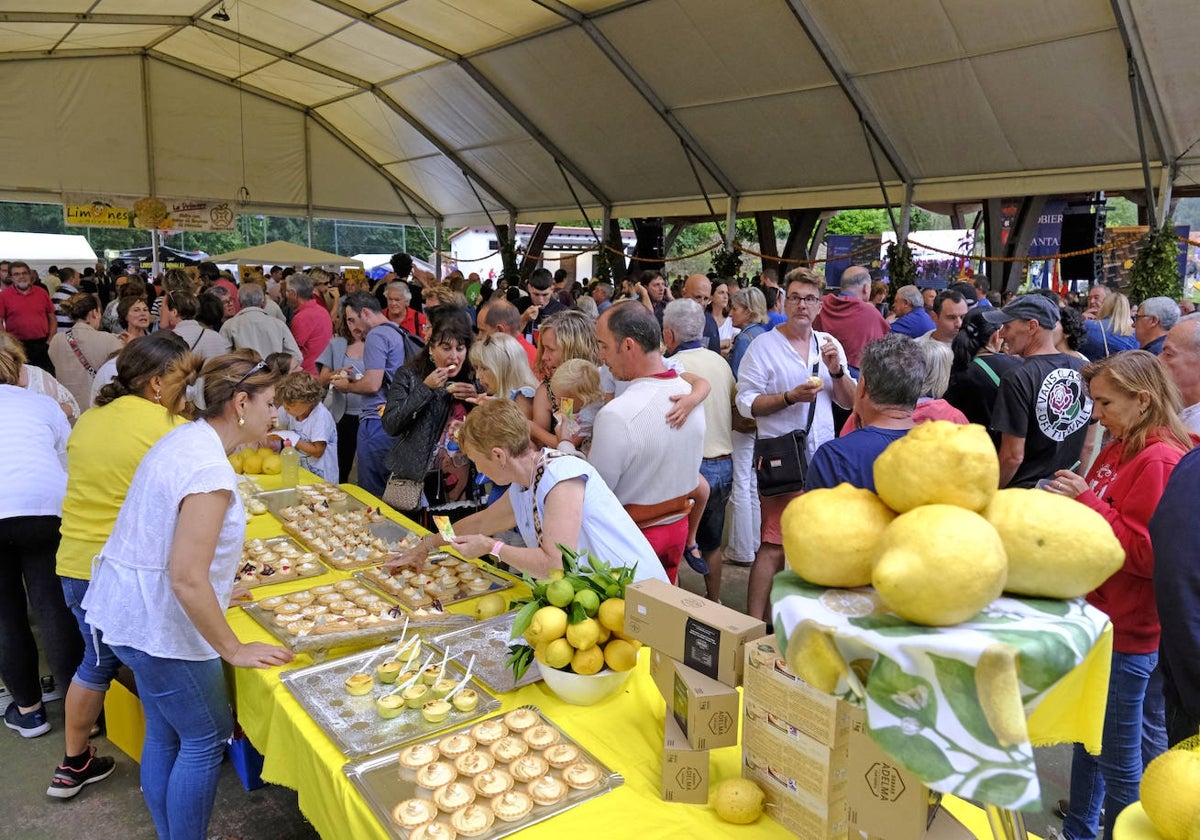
696 662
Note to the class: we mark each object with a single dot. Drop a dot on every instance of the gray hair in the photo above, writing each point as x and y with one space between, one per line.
752 301
606 289
1162 308
302 285
893 370
251 294
911 295
685 318
587 306
402 287
938 360
855 277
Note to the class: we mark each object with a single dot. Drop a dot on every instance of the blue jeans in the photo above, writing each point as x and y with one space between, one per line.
373 446
187 723
718 472
1112 777
99 664
1154 719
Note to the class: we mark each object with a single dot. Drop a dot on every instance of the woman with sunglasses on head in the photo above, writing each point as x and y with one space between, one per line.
163 580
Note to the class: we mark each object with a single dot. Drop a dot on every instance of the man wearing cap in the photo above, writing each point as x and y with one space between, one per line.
1042 409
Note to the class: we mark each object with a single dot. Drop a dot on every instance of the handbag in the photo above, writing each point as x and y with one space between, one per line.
403 493
781 463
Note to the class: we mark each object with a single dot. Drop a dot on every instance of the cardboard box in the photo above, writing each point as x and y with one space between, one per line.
690 629
883 798
810 767
706 710
798 812
769 682
684 770
124 717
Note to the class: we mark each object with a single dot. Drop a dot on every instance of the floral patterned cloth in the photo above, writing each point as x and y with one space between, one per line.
928 702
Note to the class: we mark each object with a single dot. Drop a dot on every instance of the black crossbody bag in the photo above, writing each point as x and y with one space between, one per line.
781 463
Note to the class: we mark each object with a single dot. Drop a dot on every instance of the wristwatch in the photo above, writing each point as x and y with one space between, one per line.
839 374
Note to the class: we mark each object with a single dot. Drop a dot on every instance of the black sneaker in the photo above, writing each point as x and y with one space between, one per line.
30 724
68 782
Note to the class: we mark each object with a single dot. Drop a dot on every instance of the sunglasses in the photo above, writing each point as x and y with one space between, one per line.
259 366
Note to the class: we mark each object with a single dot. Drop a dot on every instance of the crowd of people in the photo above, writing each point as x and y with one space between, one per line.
630 420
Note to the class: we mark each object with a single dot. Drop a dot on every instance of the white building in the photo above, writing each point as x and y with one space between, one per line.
477 249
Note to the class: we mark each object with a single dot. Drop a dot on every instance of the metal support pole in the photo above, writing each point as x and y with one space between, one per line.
905 215
1006 824
731 222
1164 193
437 251
308 190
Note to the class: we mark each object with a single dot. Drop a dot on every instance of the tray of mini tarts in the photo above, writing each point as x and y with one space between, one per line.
276 560
318 499
344 697
331 615
445 579
516 769
353 539
488 642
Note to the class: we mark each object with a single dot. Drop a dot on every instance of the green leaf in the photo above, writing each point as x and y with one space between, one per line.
1051 606
957 680
1045 657
1002 789
890 625
576 613
519 658
919 754
901 693
523 617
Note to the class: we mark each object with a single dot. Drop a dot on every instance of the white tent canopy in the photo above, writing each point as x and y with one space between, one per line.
284 253
448 110
42 250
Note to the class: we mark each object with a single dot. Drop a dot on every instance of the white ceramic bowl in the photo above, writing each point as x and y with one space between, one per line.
584 689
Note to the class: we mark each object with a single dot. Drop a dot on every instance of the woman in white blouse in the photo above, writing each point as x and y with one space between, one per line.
164 579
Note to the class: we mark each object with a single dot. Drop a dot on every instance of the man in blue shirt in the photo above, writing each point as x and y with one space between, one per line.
912 320
891 376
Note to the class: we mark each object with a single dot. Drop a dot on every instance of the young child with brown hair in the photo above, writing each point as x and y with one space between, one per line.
300 411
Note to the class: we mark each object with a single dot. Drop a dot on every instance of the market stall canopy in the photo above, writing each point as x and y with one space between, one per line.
452 110
42 250
283 253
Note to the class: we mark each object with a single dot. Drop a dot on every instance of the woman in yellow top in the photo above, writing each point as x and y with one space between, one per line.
103 453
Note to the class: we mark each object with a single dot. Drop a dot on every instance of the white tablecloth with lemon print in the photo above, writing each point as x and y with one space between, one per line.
961 707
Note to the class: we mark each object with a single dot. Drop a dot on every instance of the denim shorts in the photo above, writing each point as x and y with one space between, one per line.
99 664
718 472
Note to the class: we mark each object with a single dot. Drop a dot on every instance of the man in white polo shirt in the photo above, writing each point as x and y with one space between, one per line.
652 468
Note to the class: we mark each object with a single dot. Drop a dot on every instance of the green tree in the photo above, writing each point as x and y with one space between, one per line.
859 222
1121 213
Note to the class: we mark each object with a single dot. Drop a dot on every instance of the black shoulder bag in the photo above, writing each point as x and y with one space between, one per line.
781 463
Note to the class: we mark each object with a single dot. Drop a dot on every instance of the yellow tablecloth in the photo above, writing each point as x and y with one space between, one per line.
624 732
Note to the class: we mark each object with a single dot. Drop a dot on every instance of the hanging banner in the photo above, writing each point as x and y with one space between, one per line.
170 215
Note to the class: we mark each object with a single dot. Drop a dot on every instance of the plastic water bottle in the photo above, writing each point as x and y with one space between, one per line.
289 466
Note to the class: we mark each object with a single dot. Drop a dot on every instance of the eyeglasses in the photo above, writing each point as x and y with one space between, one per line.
237 385
807 300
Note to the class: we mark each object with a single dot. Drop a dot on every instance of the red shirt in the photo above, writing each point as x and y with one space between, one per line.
412 321
312 328
1126 495
530 351
852 322
27 315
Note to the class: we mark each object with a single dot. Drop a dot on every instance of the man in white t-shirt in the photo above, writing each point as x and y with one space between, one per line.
651 467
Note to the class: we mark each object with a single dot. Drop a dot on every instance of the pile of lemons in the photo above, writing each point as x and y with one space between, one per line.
251 461
939 542
587 645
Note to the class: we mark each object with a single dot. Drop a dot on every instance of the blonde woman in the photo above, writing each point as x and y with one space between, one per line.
1112 332
503 370
563 336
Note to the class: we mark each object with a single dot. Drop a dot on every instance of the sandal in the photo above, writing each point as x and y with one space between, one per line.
695 559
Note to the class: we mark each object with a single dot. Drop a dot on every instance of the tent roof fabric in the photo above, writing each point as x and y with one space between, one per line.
53 248
454 110
283 253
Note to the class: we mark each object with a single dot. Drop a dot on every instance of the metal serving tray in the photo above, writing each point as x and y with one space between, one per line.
352 722
384 786
272 544
460 593
370 635
488 641
277 500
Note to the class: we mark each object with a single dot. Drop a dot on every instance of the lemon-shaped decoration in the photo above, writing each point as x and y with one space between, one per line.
939 463
831 536
1057 547
939 565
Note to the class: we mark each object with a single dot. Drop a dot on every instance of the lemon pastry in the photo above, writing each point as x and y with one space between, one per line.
452 746
546 790
436 775
560 755
454 796
303 598
472 820
413 812
541 736
508 749
493 782
418 755
288 609
271 603
511 806
518 720
435 711
389 706
581 775
466 700
474 763
359 684
528 767
433 831
489 731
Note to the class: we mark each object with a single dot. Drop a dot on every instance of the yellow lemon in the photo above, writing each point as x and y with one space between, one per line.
620 655
738 801
1170 794
539 653
612 614
939 565
235 460
831 536
272 464
1057 547
558 654
584 635
939 463
251 462
490 605
548 624
588 661
814 658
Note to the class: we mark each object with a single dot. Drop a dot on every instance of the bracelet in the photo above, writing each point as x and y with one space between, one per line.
839 374
495 552
786 401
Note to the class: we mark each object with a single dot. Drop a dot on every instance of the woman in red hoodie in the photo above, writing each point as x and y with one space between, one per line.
1139 407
